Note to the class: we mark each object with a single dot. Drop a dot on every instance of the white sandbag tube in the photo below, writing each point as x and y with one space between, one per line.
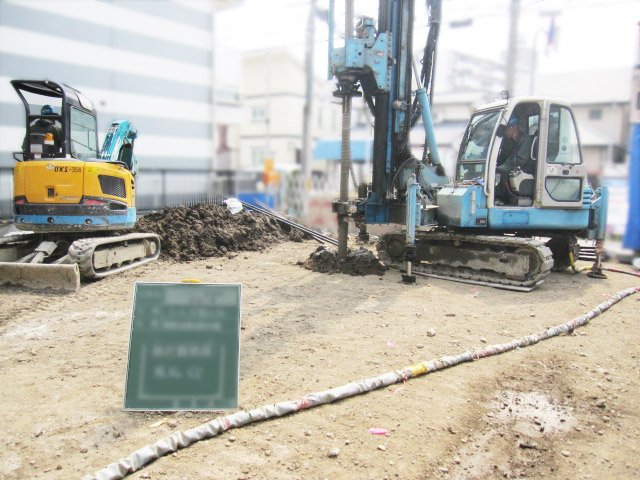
179 440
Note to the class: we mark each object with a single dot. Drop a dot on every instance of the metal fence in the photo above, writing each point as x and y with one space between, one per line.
156 189
6 192
159 188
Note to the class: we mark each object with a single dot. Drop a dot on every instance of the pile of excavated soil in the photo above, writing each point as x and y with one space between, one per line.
358 262
201 231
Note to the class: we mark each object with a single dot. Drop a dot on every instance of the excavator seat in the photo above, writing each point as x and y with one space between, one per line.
522 183
126 156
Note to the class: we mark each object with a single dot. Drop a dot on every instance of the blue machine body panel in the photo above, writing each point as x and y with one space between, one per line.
359 54
462 206
78 223
538 219
632 233
465 206
376 210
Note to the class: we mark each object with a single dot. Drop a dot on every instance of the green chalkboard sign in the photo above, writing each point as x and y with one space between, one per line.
184 349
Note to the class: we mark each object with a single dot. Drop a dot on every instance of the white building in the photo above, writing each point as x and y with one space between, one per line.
600 100
460 72
274 98
151 62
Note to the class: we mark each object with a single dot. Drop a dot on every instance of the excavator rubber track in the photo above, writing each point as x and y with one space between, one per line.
100 257
508 262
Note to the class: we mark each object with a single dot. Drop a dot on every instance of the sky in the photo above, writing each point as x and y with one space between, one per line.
590 34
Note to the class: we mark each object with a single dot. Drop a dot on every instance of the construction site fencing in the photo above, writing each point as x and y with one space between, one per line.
159 188
6 192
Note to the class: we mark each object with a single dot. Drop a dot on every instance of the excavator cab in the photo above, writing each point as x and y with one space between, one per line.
520 172
60 121
62 182
525 153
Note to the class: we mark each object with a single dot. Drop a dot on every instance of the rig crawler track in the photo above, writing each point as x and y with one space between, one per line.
502 261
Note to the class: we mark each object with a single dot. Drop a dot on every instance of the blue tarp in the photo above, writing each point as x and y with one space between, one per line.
361 150
632 233
254 197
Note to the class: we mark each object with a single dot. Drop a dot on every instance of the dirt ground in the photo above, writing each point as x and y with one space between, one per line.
567 408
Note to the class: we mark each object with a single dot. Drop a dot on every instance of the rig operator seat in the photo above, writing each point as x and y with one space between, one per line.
522 182
43 140
518 157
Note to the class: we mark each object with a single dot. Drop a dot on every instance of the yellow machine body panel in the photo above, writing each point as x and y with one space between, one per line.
52 182
109 181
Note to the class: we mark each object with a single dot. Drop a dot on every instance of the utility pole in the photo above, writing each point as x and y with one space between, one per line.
269 161
267 137
550 34
512 52
214 123
308 108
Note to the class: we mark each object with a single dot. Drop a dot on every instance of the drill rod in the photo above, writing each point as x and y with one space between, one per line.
343 225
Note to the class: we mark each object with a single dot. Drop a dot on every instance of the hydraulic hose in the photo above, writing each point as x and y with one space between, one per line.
574 267
179 440
608 269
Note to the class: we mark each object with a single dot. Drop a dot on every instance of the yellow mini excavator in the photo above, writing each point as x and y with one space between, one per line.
71 201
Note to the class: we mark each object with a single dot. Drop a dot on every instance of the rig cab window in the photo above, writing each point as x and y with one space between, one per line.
475 146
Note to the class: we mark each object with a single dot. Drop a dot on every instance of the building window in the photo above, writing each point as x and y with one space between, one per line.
258 113
223 139
258 154
595 114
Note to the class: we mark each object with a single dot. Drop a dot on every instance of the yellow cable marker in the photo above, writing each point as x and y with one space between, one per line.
190 280
418 369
